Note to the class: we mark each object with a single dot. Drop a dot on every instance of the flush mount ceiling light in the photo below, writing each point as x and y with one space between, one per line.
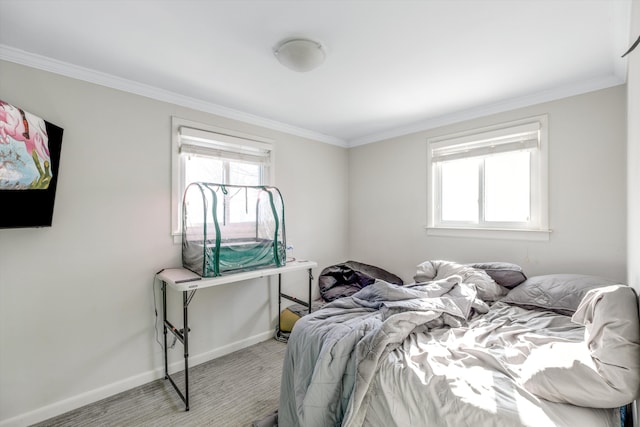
299 54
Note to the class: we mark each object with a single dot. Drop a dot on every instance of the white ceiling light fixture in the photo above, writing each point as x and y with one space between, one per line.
300 54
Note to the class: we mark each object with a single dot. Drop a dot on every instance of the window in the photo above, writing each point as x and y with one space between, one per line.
490 182
209 154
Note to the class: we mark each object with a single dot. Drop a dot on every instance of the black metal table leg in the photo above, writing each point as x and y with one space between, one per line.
310 280
185 334
279 301
164 328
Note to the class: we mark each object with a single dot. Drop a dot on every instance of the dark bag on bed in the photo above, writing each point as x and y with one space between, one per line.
342 280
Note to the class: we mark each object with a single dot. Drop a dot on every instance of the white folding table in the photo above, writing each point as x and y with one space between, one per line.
187 282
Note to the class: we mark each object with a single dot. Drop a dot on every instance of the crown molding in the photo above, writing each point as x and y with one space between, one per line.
44 63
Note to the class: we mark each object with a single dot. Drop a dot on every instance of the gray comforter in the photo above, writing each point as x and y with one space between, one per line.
382 358
333 354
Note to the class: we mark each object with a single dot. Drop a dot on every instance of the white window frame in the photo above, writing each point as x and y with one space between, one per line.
191 136
529 133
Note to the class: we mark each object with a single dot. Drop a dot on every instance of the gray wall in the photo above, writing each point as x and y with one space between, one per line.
633 148
633 162
587 195
76 302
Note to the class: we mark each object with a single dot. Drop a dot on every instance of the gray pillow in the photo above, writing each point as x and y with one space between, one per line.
503 273
561 293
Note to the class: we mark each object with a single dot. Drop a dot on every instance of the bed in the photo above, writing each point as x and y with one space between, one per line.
466 345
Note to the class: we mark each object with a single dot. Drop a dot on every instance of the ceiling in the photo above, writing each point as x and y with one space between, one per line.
392 67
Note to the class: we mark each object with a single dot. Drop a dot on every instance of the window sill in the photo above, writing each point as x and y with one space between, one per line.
484 233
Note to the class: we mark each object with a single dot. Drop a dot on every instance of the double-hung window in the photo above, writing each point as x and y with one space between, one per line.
202 153
490 182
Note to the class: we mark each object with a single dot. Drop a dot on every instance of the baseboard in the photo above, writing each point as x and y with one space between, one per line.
75 402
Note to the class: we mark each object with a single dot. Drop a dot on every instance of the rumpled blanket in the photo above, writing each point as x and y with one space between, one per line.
329 365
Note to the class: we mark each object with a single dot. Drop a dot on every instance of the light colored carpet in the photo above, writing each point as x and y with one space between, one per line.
232 391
